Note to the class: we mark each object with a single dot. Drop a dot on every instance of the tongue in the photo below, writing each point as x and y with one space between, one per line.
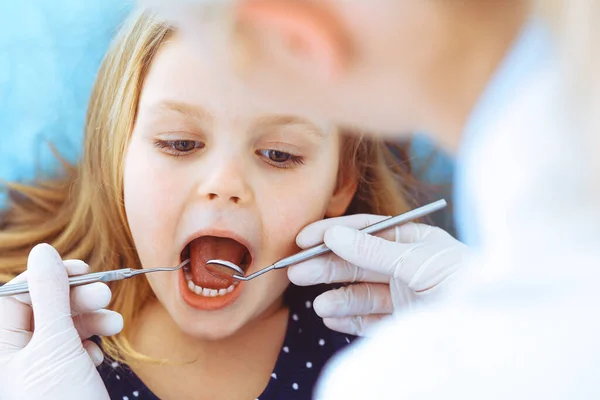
211 248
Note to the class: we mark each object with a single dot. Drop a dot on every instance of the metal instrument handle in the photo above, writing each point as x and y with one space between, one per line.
106 276
321 249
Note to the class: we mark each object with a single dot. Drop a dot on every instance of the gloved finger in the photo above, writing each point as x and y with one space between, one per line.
16 313
436 257
357 299
88 298
15 321
313 234
94 352
49 290
98 323
331 268
73 267
15 324
398 260
76 267
414 232
358 325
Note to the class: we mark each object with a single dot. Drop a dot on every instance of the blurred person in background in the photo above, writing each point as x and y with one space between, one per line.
511 88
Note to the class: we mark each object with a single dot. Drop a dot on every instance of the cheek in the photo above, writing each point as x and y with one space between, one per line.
292 205
151 204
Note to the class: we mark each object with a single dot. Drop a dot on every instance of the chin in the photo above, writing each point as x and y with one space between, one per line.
221 323
206 329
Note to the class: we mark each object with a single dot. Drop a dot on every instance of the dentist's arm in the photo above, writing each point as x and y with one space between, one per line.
385 275
44 351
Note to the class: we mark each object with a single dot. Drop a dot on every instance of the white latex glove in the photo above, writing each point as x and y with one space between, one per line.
53 360
386 275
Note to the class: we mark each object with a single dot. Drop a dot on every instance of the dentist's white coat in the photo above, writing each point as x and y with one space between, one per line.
527 324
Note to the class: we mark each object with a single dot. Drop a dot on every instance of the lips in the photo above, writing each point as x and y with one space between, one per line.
198 287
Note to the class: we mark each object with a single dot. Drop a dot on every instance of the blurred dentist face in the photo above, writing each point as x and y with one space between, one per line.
388 66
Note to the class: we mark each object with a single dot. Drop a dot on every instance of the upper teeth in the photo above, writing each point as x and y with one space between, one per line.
207 292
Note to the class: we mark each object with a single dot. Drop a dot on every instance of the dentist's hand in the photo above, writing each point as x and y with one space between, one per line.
44 351
407 265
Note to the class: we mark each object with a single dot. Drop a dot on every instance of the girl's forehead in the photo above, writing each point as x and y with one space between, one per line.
179 72
180 83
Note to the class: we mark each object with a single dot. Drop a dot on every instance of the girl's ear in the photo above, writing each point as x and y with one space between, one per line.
342 196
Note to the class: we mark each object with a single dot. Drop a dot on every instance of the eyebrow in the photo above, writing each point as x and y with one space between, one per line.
186 109
197 112
278 120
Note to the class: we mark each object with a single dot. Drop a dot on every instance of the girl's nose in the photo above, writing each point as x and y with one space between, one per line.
226 183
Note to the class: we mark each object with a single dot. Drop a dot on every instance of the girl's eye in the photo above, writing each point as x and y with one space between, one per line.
179 147
280 159
184 145
278 156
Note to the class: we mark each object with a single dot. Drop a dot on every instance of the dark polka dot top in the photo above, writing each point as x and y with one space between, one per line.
307 346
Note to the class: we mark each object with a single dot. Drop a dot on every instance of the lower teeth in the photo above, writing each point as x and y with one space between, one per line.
207 292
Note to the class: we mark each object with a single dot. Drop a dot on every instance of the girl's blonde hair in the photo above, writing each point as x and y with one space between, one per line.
83 216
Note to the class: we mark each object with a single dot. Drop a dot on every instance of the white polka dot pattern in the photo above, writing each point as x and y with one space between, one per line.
308 346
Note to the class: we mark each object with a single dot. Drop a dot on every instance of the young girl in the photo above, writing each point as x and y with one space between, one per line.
175 168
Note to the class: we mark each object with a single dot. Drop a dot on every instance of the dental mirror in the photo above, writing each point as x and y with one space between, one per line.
223 269
227 270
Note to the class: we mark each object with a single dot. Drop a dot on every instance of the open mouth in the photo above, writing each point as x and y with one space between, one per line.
199 279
